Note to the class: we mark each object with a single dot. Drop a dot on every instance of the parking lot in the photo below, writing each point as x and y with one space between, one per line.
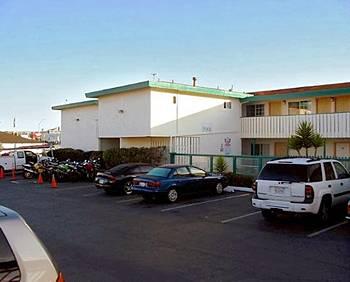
94 237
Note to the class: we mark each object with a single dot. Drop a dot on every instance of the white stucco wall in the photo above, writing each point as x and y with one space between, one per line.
193 115
80 128
125 114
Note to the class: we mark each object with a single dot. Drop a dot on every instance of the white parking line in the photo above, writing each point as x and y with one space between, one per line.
202 203
239 217
129 200
327 229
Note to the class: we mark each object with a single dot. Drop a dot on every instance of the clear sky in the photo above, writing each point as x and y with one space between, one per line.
55 51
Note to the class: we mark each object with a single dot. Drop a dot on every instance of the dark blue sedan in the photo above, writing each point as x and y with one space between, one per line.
172 181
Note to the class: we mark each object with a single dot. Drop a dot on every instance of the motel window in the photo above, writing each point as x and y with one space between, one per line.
260 149
257 110
227 105
299 108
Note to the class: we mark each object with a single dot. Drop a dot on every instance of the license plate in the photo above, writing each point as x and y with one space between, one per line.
277 189
102 181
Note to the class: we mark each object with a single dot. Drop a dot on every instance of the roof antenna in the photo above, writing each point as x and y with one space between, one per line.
154 75
231 89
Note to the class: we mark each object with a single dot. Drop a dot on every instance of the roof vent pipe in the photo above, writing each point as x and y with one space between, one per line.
194 79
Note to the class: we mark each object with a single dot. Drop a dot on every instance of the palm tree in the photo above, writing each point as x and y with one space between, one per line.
305 132
305 137
317 141
294 143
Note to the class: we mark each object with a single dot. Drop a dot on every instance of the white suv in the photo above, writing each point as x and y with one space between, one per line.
301 185
22 256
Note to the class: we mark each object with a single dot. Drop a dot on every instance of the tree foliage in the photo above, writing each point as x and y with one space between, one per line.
220 165
305 137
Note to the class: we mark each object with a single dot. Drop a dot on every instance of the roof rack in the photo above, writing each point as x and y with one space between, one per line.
309 159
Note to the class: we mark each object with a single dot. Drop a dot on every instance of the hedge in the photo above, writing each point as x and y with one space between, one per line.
76 154
239 180
113 157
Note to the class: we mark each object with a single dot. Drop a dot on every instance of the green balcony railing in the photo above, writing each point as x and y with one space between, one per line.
239 164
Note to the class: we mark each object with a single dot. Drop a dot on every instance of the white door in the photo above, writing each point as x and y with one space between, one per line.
342 149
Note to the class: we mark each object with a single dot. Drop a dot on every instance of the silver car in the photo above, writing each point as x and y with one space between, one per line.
22 255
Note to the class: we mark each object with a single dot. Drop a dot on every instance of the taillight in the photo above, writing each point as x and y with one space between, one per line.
348 208
153 184
309 194
60 277
255 187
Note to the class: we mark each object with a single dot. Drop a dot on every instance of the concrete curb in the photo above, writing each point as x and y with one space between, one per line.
233 189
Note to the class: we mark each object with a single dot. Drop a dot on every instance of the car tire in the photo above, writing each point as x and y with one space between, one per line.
172 195
268 214
127 188
324 211
219 188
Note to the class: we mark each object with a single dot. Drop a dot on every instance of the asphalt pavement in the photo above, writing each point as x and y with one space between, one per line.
95 237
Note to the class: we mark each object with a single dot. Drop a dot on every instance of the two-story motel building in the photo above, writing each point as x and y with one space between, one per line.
204 120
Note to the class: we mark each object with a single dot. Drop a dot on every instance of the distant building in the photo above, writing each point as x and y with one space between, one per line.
51 136
10 141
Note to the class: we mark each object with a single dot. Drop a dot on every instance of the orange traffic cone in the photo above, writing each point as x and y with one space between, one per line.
40 179
13 174
2 175
53 182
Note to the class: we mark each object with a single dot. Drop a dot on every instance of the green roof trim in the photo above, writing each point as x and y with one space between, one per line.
75 105
306 94
168 86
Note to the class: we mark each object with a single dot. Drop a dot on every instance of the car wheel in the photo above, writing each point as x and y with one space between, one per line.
28 175
324 211
127 188
268 214
219 189
173 195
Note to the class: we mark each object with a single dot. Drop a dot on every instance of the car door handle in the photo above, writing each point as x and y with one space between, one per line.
329 186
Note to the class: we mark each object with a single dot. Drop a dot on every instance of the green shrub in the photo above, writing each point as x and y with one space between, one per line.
220 165
69 153
113 157
239 180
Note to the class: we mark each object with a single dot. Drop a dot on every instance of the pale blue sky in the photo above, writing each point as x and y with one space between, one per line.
51 51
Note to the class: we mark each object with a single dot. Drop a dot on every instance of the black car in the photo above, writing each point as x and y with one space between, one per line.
118 179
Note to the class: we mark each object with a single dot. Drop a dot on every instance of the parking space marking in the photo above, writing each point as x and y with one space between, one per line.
327 229
129 200
202 203
239 217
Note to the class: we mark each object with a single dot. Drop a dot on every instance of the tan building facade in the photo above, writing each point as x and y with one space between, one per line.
271 117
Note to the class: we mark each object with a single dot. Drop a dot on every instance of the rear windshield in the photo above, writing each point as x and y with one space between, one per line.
159 171
291 172
119 169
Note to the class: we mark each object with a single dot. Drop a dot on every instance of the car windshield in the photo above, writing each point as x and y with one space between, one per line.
159 171
285 172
